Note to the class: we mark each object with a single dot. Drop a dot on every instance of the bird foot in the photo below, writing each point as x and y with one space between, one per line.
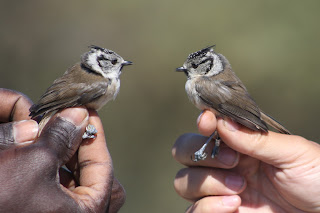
90 132
201 155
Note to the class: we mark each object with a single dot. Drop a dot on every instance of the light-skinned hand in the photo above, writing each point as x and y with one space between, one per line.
253 172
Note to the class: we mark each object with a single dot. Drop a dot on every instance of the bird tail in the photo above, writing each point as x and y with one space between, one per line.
274 124
44 120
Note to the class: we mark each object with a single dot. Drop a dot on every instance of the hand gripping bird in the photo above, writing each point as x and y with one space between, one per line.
212 85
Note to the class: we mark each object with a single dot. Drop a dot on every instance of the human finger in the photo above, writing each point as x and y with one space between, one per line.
218 204
118 196
207 123
272 148
196 182
14 106
63 133
95 169
18 133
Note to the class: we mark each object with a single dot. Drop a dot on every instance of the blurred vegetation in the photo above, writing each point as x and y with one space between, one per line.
272 45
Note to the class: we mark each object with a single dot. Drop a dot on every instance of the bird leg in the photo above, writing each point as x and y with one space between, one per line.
90 132
201 155
216 147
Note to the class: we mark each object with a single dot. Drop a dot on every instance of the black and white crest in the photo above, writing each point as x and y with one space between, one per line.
200 53
102 49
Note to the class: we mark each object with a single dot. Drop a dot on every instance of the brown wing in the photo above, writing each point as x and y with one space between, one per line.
230 98
63 94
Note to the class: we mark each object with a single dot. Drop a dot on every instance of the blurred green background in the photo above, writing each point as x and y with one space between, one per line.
272 45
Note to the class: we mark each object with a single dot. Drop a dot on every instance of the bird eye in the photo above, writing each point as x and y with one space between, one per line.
194 66
114 61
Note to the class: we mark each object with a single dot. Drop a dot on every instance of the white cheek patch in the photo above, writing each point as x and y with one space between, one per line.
107 71
217 65
92 61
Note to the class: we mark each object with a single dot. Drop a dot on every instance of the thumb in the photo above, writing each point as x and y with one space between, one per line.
63 133
272 148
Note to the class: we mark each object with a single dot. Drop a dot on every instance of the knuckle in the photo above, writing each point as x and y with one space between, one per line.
62 137
61 133
256 142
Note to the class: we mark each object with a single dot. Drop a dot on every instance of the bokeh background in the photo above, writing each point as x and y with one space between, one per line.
272 45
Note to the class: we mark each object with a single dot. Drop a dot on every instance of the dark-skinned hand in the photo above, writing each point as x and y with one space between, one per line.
31 176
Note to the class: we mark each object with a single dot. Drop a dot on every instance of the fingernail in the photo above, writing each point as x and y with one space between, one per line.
234 182
227 156
75 115
199 118
25 131
231 125
230 200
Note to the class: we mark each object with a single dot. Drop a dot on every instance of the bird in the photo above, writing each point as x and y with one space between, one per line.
92 82
212 85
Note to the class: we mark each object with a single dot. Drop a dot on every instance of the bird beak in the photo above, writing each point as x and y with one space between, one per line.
181 69
125 63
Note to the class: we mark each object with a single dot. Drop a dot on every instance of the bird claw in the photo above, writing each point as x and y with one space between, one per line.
90 132
199 155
